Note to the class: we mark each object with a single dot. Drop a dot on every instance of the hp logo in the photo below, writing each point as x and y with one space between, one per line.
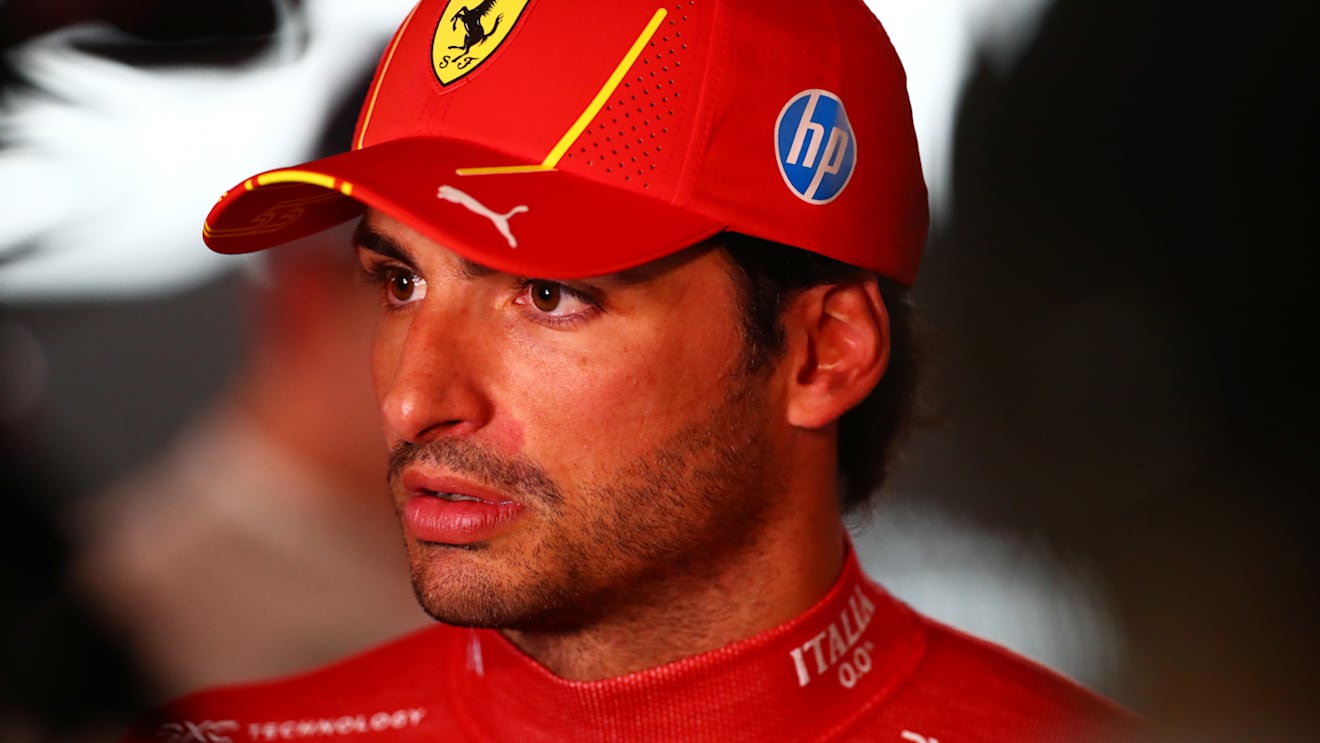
814 143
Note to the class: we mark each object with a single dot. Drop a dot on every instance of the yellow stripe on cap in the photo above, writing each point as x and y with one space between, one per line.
296 176
606 91
602 96
305 176
505 169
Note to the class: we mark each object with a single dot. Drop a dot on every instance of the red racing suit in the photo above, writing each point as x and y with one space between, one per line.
858 666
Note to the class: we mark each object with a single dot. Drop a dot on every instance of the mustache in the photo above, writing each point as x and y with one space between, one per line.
519 477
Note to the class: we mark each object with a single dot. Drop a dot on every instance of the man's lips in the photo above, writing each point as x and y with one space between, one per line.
417 481
448 510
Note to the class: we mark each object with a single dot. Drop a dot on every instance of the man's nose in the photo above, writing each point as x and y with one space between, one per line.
433 381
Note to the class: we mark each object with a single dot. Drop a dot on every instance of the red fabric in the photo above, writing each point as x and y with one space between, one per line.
708 125
859 666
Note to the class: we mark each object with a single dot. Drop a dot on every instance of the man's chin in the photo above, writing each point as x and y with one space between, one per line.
466 609
494 616
469 601
452 589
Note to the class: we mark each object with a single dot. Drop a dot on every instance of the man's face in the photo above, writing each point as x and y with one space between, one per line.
561 451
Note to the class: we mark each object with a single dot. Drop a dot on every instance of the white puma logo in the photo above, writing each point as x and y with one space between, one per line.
501 221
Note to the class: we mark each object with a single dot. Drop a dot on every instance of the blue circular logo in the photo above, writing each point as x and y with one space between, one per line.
815 146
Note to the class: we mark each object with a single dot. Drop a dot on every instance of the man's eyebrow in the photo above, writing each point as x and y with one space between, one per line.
368 237
635 275
470 269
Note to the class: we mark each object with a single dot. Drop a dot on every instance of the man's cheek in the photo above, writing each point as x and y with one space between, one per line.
386 350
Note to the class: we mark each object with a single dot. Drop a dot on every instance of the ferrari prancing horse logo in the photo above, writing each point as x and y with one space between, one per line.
468 34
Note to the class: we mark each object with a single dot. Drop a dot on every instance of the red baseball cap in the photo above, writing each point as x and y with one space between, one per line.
570 138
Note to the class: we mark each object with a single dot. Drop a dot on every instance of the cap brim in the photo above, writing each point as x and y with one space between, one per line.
480 203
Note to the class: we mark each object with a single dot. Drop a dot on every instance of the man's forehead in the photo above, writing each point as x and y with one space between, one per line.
374 234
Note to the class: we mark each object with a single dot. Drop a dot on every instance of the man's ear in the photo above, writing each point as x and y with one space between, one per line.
838 338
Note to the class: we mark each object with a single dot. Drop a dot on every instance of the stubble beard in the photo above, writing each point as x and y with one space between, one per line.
671 518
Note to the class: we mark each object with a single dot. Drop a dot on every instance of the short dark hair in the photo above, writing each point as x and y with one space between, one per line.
768 275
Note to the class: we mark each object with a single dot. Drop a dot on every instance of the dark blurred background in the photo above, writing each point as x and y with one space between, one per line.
1117 299
1123 301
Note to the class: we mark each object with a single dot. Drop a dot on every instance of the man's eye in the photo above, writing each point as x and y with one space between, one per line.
546 296
403 287
551 301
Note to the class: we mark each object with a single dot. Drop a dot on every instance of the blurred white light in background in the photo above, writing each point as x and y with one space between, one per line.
109 169
939 41
1014 592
